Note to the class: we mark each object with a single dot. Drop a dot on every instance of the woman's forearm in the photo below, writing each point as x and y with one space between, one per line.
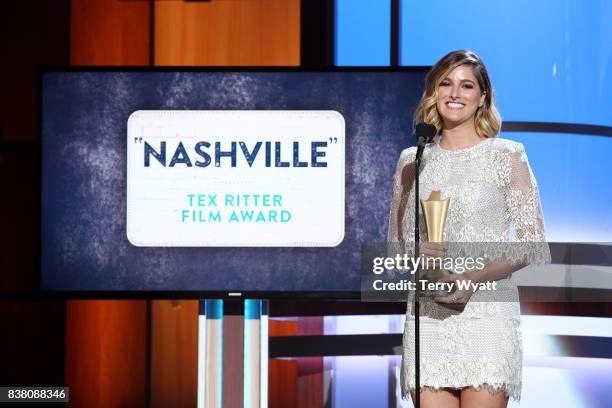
494 271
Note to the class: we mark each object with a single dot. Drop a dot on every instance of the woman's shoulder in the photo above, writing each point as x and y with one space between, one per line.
408 154
506 145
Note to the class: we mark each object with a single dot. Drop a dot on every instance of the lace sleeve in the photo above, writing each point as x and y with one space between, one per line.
403 181
524 210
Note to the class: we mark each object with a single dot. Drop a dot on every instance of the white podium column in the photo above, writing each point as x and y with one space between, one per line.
210 352
255 353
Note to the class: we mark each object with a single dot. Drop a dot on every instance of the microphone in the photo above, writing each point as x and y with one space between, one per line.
424 134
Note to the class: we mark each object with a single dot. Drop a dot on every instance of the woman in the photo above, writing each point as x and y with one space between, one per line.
471 355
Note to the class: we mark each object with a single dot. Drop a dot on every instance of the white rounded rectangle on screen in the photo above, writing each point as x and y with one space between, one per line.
253 178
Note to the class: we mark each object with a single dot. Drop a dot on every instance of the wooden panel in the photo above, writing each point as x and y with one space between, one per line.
282 373
227 32
174 353
107 341
109 32
282 327
282 377
311 325
296 382
106 353
310 382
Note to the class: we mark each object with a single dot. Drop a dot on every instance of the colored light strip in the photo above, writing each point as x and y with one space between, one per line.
201 359
252 333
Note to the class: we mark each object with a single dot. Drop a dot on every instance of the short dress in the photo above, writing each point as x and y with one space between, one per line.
495 211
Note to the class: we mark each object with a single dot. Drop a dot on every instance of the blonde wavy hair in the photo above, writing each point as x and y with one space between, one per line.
487 120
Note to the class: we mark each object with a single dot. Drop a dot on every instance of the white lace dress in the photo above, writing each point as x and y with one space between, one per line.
495 200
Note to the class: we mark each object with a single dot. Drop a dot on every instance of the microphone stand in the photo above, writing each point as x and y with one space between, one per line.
417 308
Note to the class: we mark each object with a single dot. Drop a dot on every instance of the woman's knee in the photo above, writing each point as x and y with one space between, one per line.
484 397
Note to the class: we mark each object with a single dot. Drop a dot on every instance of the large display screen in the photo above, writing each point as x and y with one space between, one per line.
218 181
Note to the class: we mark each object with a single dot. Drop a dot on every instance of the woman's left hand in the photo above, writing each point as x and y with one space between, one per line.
459 296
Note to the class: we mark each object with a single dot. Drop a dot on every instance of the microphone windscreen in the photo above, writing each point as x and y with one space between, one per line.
425 132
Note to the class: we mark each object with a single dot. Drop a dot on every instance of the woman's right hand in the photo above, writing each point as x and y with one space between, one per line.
433 249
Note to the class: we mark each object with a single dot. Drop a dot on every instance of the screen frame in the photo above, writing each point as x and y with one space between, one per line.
179 294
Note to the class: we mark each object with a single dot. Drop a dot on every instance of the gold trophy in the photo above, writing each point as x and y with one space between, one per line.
434 210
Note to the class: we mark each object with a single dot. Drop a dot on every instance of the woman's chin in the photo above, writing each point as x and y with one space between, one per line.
451 123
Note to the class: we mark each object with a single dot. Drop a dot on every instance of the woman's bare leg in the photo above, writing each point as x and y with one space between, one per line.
443 398
483 398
